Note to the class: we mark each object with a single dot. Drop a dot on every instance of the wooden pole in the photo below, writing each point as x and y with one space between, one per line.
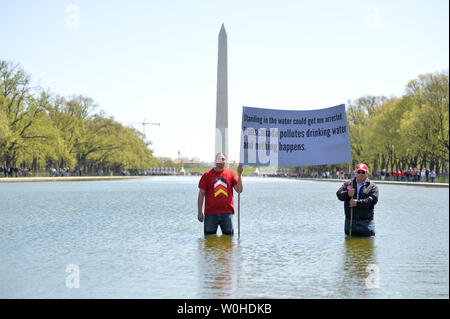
351 221
351 208
239 215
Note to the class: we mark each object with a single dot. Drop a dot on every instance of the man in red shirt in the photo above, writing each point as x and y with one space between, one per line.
216 188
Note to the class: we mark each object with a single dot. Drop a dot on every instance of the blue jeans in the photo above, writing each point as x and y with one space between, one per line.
212 221
363 228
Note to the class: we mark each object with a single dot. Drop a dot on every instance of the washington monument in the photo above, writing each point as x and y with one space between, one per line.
222 96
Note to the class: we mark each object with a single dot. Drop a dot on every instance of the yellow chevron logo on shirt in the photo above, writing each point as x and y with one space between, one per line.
219 192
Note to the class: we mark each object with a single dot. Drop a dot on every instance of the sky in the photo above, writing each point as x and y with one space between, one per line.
157 60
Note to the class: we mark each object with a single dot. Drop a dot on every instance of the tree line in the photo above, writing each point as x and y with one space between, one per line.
399 133
405 132
41 130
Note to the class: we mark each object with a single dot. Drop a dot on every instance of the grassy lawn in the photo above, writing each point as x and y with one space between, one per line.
247 170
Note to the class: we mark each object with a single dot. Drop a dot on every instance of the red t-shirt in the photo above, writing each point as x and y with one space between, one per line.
218 189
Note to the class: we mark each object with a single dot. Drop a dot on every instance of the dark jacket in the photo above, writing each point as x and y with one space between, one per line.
368 197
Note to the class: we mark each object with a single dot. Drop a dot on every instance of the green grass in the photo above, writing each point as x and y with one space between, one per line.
247 170
441 179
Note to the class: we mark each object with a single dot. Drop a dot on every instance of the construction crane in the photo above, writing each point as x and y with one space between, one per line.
144 123
147 123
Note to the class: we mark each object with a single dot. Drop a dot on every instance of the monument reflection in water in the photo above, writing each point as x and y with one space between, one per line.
218 266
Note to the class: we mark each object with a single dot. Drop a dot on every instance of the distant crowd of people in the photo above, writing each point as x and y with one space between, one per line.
65 172
15 172
410 175
27 172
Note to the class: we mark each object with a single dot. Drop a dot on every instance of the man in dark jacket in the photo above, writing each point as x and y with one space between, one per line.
361 195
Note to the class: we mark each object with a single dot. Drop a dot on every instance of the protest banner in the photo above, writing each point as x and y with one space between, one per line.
271 137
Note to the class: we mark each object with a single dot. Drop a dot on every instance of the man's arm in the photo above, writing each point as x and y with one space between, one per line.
343 192
201 196
239 187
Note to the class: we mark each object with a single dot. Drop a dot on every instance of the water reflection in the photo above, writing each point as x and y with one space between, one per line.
217 266
302 258
360 267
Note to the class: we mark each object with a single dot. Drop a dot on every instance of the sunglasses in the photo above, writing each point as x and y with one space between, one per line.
360 172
